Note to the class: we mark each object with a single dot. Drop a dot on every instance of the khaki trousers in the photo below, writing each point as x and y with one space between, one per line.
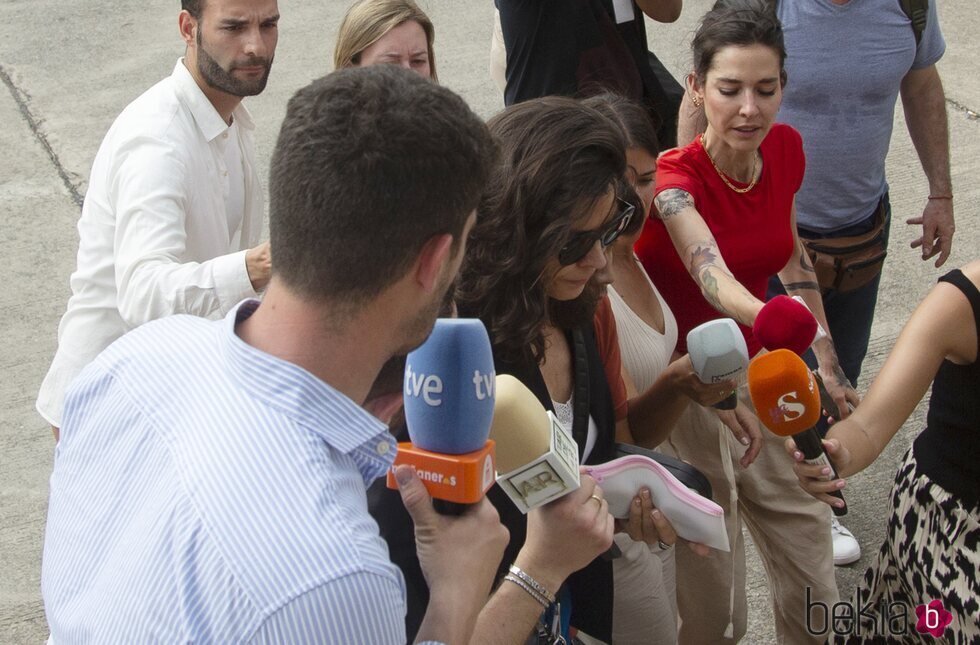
644 600
791 531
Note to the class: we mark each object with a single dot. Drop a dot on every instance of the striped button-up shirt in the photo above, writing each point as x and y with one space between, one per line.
206 492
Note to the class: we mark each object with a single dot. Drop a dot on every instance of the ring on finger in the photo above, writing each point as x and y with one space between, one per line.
596 498
663 545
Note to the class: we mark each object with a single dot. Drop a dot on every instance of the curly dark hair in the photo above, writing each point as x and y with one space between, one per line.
557 158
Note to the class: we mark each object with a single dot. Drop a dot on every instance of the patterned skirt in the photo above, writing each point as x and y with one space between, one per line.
923 586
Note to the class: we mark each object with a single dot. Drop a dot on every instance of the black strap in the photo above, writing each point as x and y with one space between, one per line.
580 410
918 12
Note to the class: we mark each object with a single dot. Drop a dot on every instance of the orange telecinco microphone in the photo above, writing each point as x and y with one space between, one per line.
786 399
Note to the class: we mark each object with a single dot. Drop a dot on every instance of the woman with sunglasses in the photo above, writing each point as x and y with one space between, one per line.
725 223
549 212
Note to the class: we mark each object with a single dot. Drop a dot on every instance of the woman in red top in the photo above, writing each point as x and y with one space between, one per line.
726 224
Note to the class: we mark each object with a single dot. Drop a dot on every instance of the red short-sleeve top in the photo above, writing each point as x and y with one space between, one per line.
753 230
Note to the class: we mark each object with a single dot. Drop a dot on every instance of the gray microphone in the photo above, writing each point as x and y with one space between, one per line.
718 353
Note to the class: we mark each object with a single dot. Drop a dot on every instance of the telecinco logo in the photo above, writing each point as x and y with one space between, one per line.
789 407
436 478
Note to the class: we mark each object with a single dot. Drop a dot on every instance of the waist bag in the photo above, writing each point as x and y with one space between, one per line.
848 263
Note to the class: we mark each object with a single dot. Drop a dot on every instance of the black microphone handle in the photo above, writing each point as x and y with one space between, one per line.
730 403
445 507
811 446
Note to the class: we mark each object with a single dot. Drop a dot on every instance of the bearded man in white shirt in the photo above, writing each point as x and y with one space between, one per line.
173 213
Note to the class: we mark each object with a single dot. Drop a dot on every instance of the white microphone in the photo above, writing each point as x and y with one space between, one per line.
718 353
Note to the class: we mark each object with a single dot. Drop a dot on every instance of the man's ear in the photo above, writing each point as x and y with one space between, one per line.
188 26
435 254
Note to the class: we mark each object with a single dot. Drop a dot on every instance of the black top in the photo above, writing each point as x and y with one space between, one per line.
575 48
591 588
948 451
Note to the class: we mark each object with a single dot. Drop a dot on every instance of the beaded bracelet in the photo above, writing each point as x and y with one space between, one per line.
537 586
531 592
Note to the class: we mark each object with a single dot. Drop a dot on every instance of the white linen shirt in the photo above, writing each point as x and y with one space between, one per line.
154 236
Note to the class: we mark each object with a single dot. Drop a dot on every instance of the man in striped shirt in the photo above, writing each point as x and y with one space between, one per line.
209 485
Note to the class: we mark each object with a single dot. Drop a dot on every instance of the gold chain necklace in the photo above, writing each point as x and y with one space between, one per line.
724 177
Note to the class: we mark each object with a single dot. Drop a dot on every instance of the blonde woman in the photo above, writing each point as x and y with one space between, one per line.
393 32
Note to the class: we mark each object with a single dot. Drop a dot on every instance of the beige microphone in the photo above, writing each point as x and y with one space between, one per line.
537 460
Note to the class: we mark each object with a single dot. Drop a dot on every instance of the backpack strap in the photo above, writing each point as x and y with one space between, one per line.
918 13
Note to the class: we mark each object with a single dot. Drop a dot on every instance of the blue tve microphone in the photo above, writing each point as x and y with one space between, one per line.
449 398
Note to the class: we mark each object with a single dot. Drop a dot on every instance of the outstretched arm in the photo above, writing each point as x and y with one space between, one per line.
698 249
941 327
799 279
652 414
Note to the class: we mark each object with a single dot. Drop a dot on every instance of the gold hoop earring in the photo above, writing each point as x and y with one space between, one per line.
697 101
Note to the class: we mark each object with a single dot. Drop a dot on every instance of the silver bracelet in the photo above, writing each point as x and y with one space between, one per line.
537 586
530 591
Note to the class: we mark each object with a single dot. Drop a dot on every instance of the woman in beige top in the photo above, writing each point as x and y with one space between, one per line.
645 606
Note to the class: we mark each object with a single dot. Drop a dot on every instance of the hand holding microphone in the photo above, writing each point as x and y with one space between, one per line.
458 555
786 399
814 477
566 534
568 520
449 400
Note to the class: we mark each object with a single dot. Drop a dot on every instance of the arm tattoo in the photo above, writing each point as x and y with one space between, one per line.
800 286
671 202
805 263
710 289
701 257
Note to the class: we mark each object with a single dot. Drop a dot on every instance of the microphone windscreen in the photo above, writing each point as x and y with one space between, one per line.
717 350
784 323
521 428
784 392
449 388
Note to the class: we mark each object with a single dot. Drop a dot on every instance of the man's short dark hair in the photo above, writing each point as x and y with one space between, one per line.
193 7
370 164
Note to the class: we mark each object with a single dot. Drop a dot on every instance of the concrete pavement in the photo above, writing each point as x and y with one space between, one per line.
69 66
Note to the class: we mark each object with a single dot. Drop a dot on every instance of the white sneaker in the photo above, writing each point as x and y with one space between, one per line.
846 547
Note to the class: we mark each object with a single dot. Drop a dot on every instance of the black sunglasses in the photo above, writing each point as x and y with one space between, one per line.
579 244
